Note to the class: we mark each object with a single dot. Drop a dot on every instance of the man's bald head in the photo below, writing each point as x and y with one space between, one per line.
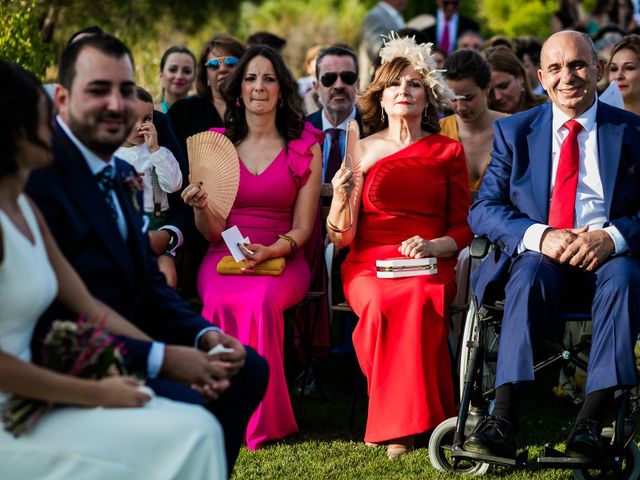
569 71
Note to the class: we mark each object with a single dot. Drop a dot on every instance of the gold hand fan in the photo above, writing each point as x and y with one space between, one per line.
213 160
352 161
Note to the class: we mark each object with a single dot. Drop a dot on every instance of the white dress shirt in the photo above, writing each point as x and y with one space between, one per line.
590 206
453 29
326 145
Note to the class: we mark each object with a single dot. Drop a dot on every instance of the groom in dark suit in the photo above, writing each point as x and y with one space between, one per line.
92 205
561 201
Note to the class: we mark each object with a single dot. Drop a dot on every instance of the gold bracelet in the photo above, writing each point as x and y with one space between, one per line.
291 241
335 229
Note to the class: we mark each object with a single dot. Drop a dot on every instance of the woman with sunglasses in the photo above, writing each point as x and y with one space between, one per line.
469 78
275 206
206 110
177 74
413 204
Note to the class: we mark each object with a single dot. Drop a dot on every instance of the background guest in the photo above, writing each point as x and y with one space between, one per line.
510 89
470 40
624 70
383 18
205 110
469 77
267 38
177 74
449 25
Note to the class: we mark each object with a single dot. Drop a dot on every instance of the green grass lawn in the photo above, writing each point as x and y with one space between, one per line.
327 447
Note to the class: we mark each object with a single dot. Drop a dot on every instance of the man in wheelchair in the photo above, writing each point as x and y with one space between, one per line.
561 202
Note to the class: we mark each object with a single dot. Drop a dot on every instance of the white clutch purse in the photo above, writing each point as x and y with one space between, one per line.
406 267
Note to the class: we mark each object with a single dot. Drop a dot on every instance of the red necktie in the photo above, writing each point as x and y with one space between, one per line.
563 200
444 40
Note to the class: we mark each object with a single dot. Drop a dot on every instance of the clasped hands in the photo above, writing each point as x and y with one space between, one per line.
208 374
584 249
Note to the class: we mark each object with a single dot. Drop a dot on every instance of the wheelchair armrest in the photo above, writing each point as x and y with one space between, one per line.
479 247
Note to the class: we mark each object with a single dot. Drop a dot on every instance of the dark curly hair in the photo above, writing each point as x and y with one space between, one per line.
20 93
371 109
289 116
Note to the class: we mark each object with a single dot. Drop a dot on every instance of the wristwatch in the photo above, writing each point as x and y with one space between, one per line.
173 244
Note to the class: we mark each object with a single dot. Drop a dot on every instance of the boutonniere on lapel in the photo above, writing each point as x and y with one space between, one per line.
134 185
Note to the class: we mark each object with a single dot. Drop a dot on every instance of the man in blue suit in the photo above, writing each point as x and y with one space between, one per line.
92 206
561 202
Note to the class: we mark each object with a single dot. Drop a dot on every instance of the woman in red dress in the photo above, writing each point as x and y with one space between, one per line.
414 203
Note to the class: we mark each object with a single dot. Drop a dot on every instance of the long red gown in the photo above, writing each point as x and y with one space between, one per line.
401 337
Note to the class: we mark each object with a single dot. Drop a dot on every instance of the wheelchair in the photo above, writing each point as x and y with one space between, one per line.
478 355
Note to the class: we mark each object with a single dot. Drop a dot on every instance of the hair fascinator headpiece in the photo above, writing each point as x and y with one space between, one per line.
421 59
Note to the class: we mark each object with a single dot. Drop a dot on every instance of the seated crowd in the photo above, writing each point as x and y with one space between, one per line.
101 218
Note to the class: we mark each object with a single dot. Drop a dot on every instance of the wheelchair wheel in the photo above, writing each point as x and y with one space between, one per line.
630 465
440 452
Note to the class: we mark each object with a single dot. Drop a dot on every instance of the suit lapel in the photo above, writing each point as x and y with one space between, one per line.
610 137
88 199
539 144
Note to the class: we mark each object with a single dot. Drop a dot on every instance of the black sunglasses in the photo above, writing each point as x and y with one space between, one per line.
330 78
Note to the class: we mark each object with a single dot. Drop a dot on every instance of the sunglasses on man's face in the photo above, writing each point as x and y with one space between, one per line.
330 78
214 63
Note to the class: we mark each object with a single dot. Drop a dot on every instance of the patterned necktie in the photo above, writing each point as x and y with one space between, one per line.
106 182
444 40
563 200
334 159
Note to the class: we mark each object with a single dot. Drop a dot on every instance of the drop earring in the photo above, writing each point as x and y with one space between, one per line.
238 102
381 113
281 103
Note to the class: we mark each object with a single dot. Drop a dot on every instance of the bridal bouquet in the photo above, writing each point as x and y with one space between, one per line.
75 348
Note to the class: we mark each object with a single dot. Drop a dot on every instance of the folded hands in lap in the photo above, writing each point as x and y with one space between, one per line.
578 247
207 374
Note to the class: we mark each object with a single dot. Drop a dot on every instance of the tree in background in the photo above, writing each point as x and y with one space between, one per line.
25 35
506 17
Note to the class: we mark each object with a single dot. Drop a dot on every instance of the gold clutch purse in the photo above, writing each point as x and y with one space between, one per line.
228 266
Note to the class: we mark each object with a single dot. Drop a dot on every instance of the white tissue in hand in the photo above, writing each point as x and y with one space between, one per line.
219 349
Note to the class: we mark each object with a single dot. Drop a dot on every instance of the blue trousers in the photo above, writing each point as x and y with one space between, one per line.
538 290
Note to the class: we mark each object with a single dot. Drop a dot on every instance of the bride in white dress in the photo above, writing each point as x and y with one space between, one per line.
103 436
